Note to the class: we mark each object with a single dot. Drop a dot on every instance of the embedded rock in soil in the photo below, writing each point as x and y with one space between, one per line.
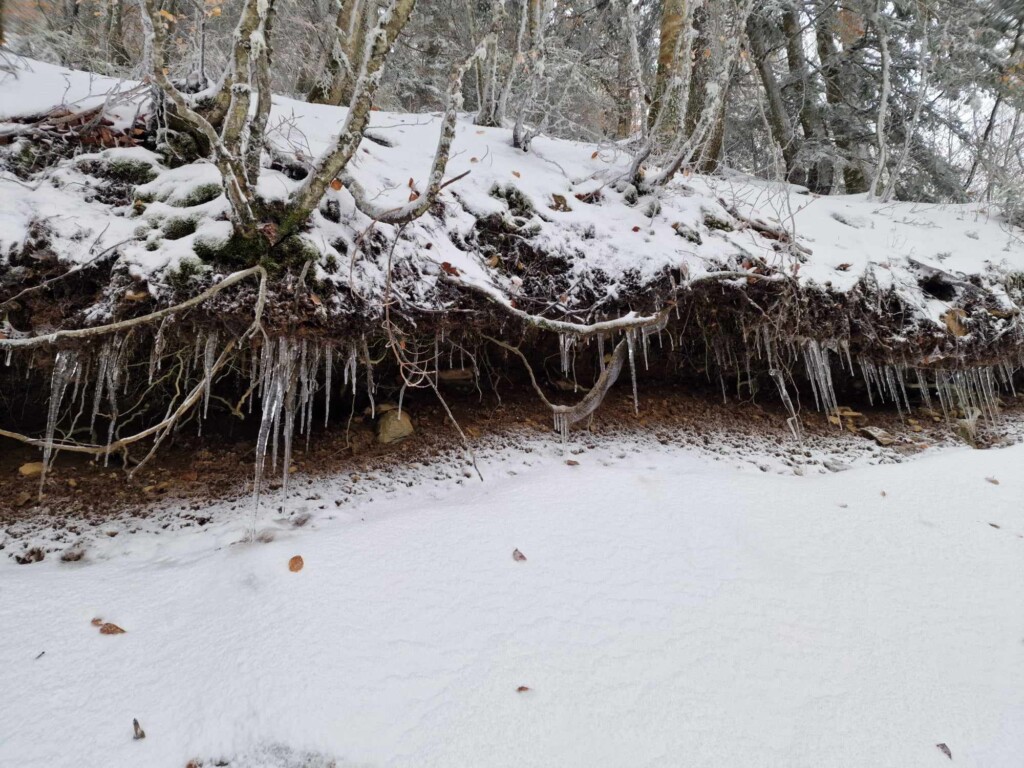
31 469
393 426
878 434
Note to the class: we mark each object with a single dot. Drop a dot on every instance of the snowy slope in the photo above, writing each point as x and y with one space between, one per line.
670 612
605 240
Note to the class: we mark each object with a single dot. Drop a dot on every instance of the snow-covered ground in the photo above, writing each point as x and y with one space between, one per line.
568 199
670 611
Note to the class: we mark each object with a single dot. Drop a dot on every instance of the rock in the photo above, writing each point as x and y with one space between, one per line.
393 426
23 499
878 434
31 469
835 466
455 377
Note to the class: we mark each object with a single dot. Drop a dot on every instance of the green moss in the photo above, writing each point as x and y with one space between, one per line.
712 221
204 193
126 171
518 203
175 229
235 252
188 271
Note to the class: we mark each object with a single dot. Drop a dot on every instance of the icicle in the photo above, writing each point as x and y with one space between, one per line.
209 357
328 367
792 422
630 345
65 367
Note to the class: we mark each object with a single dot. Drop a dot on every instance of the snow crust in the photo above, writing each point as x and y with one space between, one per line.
670 611
606 241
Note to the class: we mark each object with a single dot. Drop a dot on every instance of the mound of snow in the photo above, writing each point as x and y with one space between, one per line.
567 200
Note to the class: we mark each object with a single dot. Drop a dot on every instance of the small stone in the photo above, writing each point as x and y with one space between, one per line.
31 469
393 426
835 466
878 434
518 556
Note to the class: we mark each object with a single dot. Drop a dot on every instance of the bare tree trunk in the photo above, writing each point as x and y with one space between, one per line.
778 118
853 172
818 177
883 101
336 82
673 16
987 135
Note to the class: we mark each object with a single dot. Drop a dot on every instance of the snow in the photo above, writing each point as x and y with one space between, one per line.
670 611
606 243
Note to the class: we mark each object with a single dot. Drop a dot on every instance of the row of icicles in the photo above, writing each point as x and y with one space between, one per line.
286 374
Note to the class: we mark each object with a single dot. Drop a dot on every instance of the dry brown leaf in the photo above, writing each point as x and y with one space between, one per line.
518 556
522 689
97 622
473 160
411 183
594 156
572 462
448 269
636 229
517 174
296 563
414 195
111 629
335 184
992 480
945 750
844 266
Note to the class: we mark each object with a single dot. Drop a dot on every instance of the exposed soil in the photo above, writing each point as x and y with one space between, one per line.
195 471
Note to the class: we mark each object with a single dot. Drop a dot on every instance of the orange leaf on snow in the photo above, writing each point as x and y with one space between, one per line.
296 563
448 269
335 184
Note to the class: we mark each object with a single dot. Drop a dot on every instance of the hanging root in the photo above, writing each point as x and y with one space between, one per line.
164 427
567 415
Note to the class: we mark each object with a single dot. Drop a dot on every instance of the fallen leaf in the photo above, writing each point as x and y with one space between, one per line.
994 525
522 689
572 462
945 750
636 229
111 629
295 564
493 261
518 556
594 156
448 269
844 266
473 160
97 622
414 195
411 183
991 480
139 733
335 184
517 174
